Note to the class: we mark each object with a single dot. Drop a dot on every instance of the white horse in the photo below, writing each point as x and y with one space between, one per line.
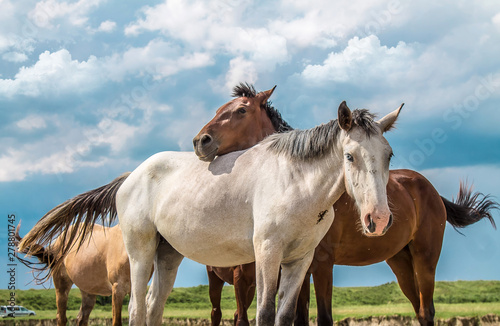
271 204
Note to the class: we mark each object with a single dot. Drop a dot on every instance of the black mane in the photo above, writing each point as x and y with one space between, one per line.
244 90
247 90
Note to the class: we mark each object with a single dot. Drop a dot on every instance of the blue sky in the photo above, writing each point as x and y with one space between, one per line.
91 88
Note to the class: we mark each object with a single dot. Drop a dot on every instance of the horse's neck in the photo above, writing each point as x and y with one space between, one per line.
323 177
327 176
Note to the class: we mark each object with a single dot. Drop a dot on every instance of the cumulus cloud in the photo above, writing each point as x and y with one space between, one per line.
58 73
15 43
208 27
496 21
158 58
324 24
31 122
239 70
362 60
107 26
67 148
54 73
353 45
76 13
15 57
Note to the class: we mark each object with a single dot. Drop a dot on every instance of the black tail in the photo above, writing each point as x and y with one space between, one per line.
44 256
469 208
83 210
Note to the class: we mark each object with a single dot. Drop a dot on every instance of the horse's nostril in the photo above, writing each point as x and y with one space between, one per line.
389 223
371 224
206 139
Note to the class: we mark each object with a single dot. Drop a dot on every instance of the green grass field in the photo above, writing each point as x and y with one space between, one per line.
452 299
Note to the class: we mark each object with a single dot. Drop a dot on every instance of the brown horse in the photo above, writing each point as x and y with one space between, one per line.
411 246
249 118
243 279
99 267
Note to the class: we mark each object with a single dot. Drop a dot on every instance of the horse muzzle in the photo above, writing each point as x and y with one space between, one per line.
376 225
205 147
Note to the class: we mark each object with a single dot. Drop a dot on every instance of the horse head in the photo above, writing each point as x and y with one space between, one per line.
237 125
366 157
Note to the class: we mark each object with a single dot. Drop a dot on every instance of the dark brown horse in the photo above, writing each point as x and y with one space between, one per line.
243 279
411 246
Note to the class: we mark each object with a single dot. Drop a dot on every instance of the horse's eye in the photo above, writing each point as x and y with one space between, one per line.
391 156
349 157
242 110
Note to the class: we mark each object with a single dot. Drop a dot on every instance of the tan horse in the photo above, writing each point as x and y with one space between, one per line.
411 246
99 267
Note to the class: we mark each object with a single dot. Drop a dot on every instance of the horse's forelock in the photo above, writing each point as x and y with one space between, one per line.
365 120
244 90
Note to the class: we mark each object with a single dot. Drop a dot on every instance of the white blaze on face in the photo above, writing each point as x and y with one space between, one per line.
366 168
366 160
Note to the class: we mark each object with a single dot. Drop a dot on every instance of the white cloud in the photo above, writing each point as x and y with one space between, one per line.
159 58
45 12
363 60
305 31
447 180
15 57
107 26
54 73
186 20
214 28
67 148
323 23
15 42
58 73
496 21
32 122
114 133
239 70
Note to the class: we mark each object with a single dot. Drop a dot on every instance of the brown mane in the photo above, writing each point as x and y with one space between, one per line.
248 90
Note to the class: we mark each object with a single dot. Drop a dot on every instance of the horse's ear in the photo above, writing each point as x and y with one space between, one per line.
387 122
264 96
345 117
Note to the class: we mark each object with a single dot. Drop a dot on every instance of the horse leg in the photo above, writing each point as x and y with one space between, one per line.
167 260
267 268
141 244
402 266
302 312
215 285
62 284
117 301
244 288
292 277
425 259
88 302
323 286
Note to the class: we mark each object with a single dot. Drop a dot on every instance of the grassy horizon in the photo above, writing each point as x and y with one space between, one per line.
452 299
